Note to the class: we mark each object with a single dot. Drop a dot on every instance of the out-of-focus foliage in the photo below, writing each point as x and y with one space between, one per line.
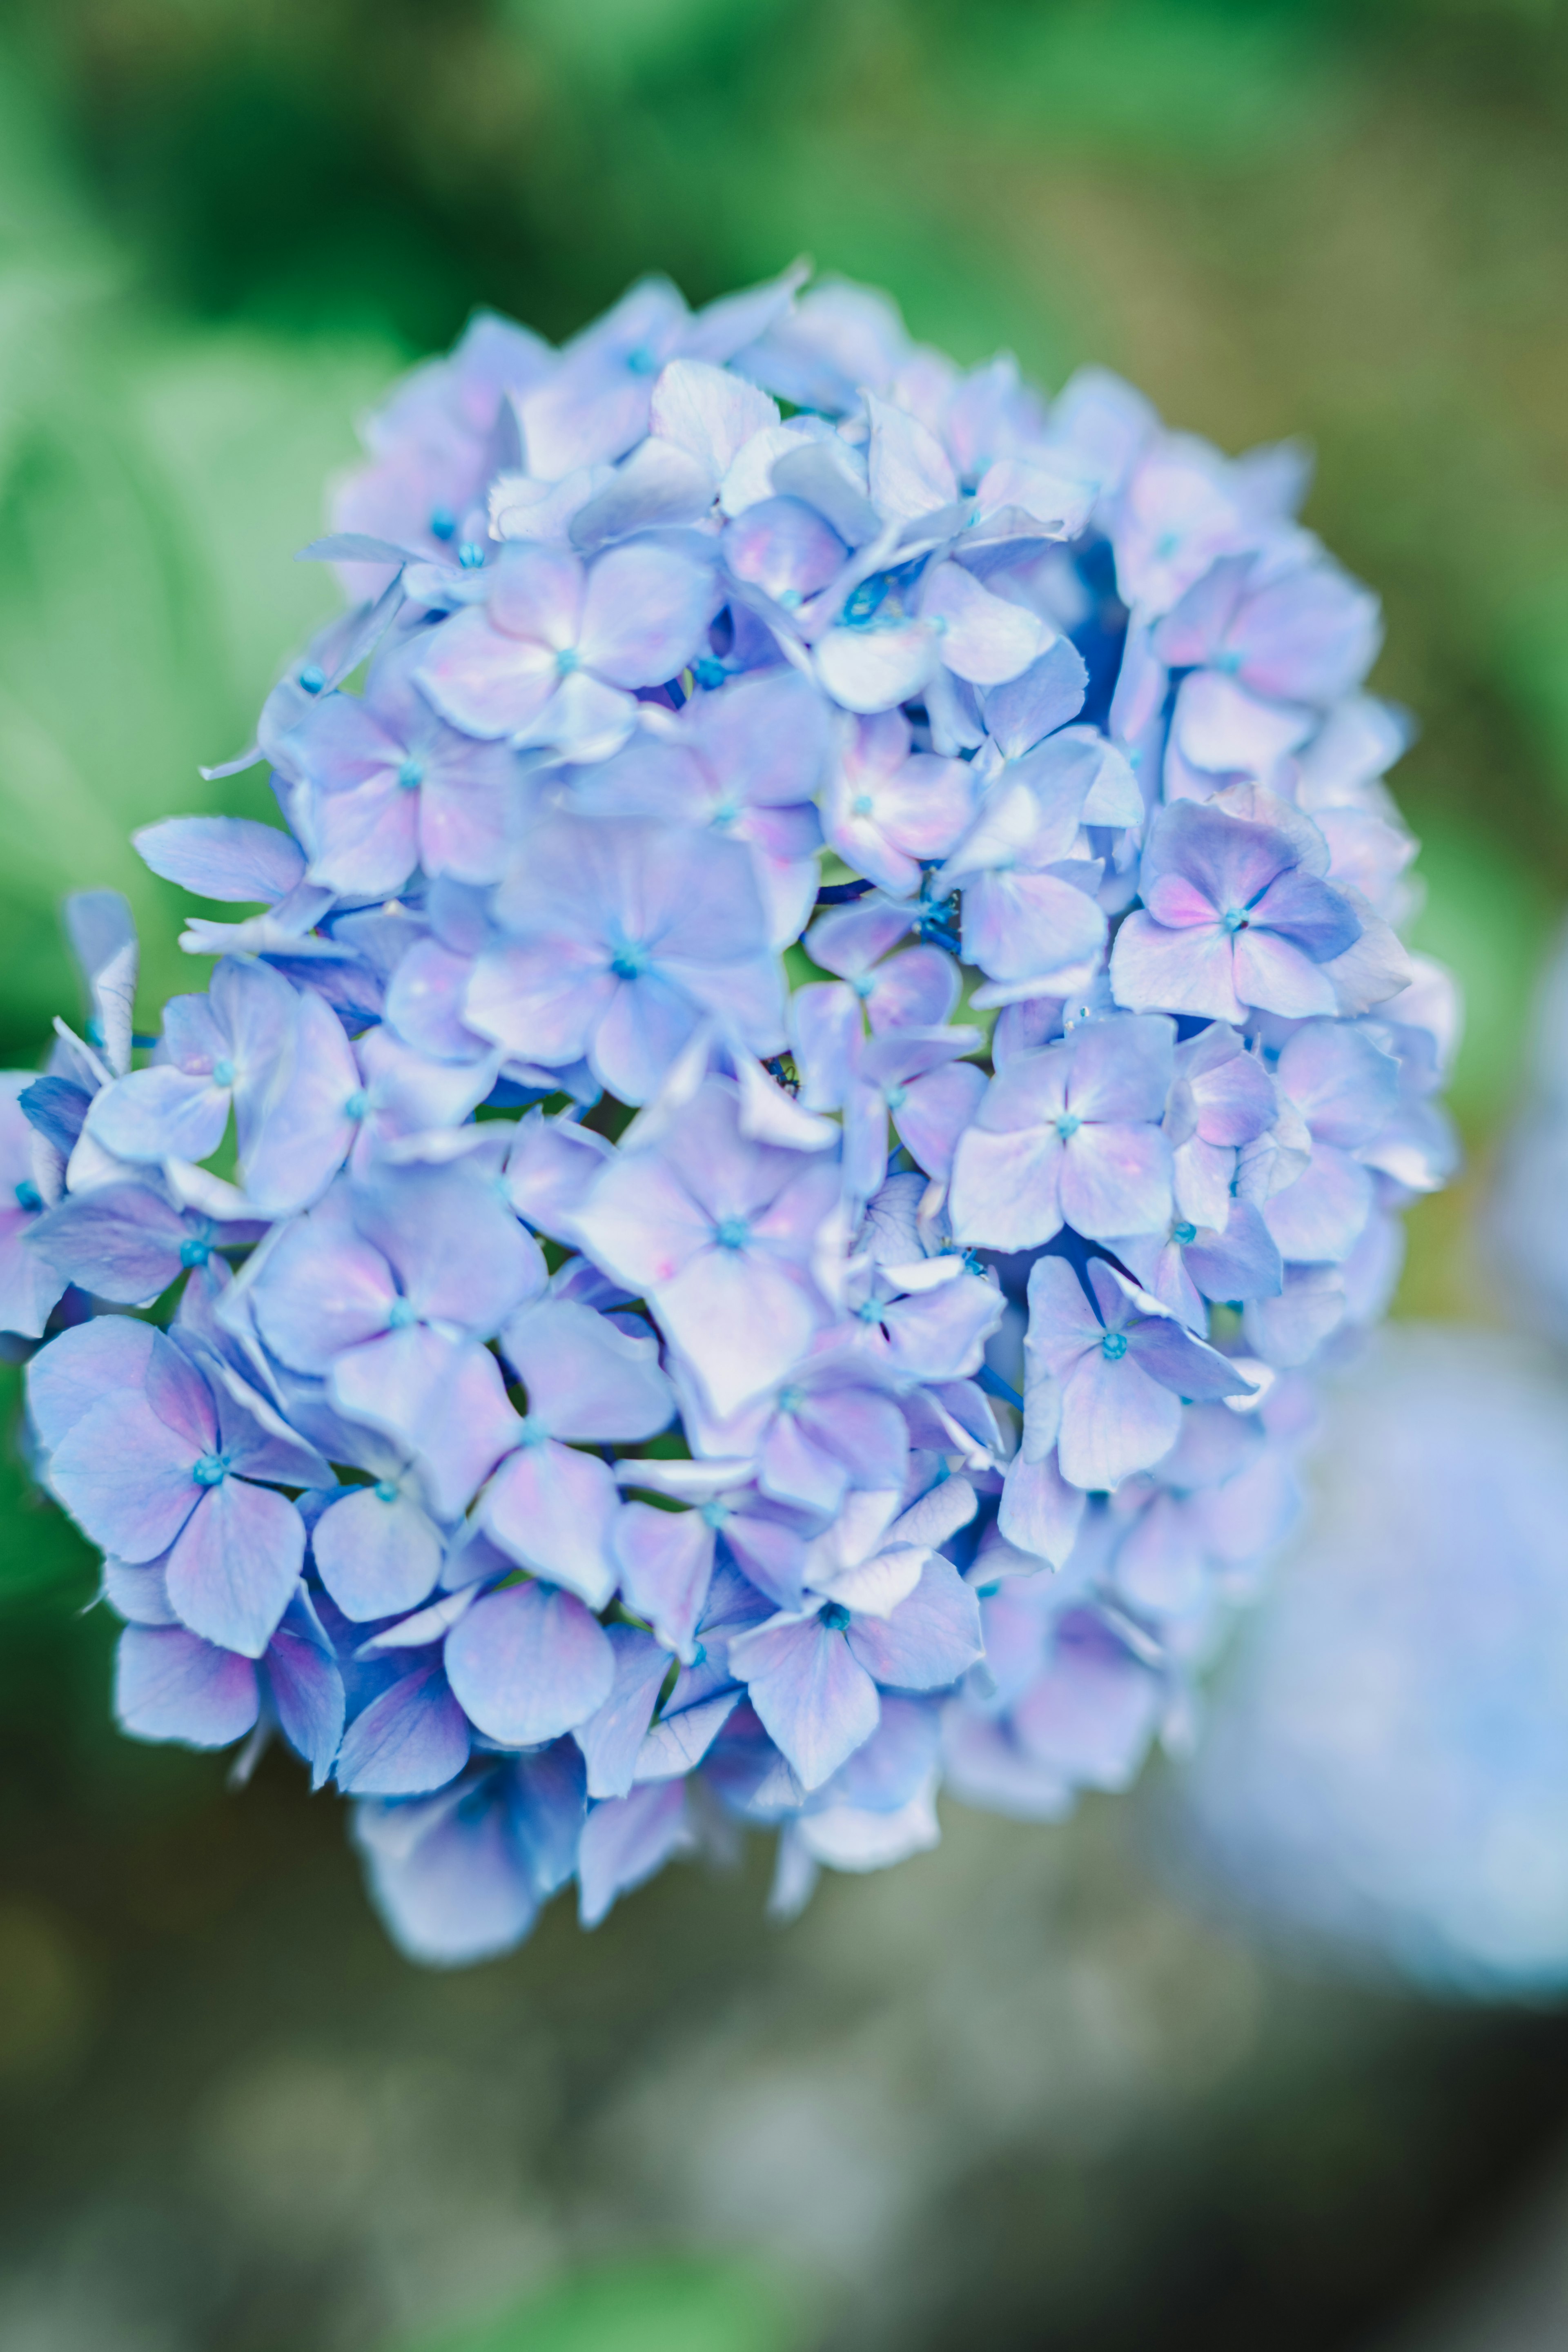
649 2307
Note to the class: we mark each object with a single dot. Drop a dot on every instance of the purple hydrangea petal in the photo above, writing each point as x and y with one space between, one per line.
554 1508
666 1566
529 1662
811 1692
376 1552
929 1641
611 1739
170 1685
235 1565
625 1840
411 1739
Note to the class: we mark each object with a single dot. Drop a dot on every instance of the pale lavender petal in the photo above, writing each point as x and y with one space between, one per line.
377 1553
291 1147
645 614
1045 697
1320 1217
1004 1190
984 638
306 1688
1115 1421
1273 974
445 1877
228 857
1040 1512
528 1662
442 1399
584 1378
160 1113
82 1369
812 1696
1154 968
461 1254
412 1739
1116 1180
486 682
930 1640
626 1840
666 1566
875 669
322 1290
612 1738
125 1476
235 1565
554 1508
169 1685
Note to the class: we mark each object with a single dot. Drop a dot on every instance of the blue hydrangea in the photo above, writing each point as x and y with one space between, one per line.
820 1042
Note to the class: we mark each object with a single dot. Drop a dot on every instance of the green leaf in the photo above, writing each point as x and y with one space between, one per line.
667 2305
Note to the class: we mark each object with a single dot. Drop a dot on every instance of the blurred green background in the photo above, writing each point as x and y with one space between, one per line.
1012 2092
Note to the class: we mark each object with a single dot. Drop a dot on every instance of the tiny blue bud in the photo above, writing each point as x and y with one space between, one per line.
443 522
1184 1232
29 1195
400 1315
835 1617
642 361
311 678
357 1104
862 805
531 1431
567 661
470 556
715 1514
411 775
708 673
1113 1347
223 1071
1068 1126
211 1470
384 1491
195 1252
1232 921
731 1233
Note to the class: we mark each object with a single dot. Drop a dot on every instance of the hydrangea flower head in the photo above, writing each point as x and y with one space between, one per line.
734 1229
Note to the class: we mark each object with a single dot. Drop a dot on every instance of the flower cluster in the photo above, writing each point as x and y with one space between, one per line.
824 1038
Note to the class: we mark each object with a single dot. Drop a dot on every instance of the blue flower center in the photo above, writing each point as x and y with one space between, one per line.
1068 1126
211 1470
1113 1347
791 1399
1232 921
470 556
1166 545
400 1315
895 1097
567 661
731 1233
862 805
1183 1234
29 1195
443 522
384 1491
863 983
357 1104
715 1514
863 603
223 1071
630 961
411 775
1227 664
791 598
868 1311
531 1431
640 361
708 673
195 1252
835 1617
311 678
726 812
